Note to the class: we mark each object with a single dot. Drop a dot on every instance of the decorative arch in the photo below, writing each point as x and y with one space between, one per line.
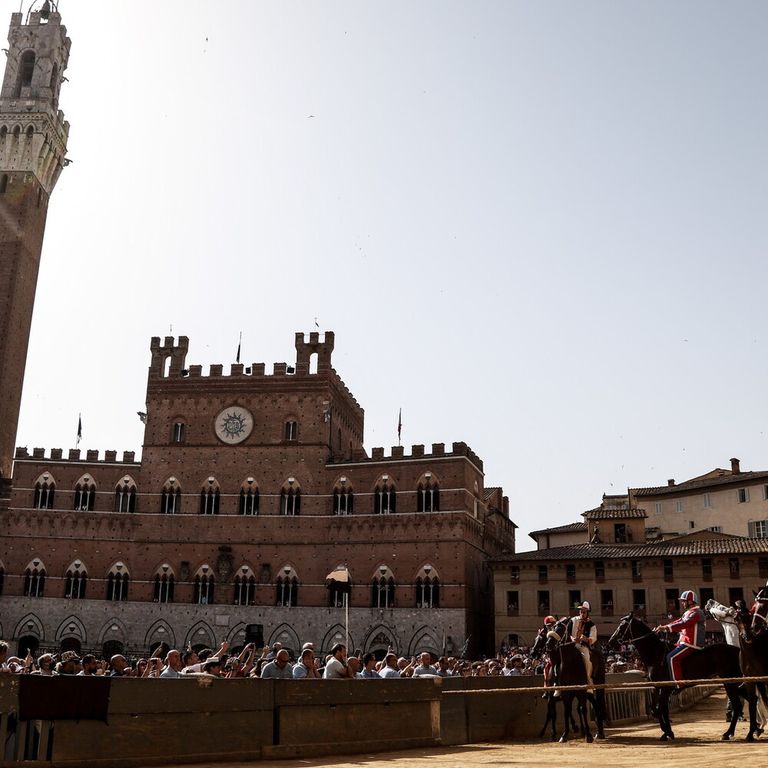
170 497
34 578
29 625
117 581
244 586
164 583
384 493
428 493
423 639
210 496
45 491
286 635
113 630
383 587
200 635
205 584
236 636
336 634
249 497
427 587
379 638
290 497
287 586
126 492
71 627
85 494
160 632
75 580
343 498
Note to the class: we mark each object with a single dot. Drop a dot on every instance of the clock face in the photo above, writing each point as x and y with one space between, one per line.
233 424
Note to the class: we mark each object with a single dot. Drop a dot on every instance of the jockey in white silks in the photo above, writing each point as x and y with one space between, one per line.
583 632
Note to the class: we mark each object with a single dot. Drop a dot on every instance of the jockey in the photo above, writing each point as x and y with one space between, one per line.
549 677
691 627
582 631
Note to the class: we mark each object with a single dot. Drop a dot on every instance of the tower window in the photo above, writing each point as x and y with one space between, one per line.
85 495
26 70
170 498
342 501
290 501
209 499
179 431
44 492
249 500
384 499
291 430
428 497
3 183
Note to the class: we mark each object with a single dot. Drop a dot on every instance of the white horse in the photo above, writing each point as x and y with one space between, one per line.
727 617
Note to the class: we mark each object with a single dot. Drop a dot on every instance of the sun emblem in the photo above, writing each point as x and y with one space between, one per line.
233 425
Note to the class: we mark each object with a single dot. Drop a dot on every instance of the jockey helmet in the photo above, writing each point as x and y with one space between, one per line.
689 595
586 605
550 620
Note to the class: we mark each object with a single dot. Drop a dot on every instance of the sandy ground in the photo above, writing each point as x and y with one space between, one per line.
697 744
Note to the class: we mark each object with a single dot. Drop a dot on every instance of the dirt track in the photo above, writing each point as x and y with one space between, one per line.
697 744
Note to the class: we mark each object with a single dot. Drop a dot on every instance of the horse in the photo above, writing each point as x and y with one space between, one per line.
753 659
566 656
537 651
719 660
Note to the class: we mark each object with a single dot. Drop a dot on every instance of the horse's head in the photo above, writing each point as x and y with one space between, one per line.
719 611
556 635
759 611
537 649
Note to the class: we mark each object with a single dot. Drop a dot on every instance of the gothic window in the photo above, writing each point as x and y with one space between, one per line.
3 182
427 588
54 84
384 497
117 582
26 70
383 588
34 579
338 595
170 498
44 492
179 432
343 500
245 587
209 498
287 587
291 430
249 497
204 585
290 498
164 581
85 494
427 494
75 581
125 495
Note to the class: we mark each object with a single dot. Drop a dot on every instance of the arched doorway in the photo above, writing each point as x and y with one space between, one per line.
71 644
28 644
163 646
112 647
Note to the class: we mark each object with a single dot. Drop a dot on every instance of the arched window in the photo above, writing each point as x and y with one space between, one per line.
291 430
245 587
26 70
343 500
45 486
34 579
209 497
179 432
85 494
249 497
170 498
384 497
117 582
290 498
75 581
3 182
287 587
427 588
164 580
383 588
204 585
427 494
54 84
125 495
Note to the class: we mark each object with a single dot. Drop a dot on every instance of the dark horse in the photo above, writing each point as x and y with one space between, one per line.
719 660
537 651
753 637
565 655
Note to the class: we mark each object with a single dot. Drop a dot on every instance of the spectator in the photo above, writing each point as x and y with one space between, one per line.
354 666
279 668
90 666
442 667
425 668
368 672
390 668
45 664
212 666
336 667
306 667
119 666
173 665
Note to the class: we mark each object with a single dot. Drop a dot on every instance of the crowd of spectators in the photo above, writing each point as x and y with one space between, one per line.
275 663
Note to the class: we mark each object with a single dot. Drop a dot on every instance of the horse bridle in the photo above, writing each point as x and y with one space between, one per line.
623 627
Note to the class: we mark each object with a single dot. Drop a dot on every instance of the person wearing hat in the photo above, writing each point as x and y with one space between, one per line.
583 632
691 626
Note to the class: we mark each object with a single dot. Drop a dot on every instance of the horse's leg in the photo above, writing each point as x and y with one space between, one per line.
574 725
567 698
751 696
664 721
584 717
598 703
733 698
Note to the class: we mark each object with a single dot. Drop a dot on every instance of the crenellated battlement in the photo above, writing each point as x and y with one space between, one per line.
397 453
75 455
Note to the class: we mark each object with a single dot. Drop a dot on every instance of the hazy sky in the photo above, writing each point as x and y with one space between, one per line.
538 227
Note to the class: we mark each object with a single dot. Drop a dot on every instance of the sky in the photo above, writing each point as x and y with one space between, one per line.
536 227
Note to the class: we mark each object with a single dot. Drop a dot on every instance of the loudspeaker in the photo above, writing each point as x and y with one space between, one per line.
254 633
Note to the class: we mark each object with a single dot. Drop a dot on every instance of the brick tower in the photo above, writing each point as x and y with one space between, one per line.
33 145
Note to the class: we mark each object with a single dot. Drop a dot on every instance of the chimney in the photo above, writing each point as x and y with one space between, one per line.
671 481
735 466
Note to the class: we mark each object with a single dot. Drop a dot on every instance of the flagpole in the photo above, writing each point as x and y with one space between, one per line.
346 619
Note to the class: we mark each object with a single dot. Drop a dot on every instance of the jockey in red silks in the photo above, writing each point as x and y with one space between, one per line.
691 626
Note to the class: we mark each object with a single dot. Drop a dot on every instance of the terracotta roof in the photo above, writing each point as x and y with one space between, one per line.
567 528
699 483
614 513
682 545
